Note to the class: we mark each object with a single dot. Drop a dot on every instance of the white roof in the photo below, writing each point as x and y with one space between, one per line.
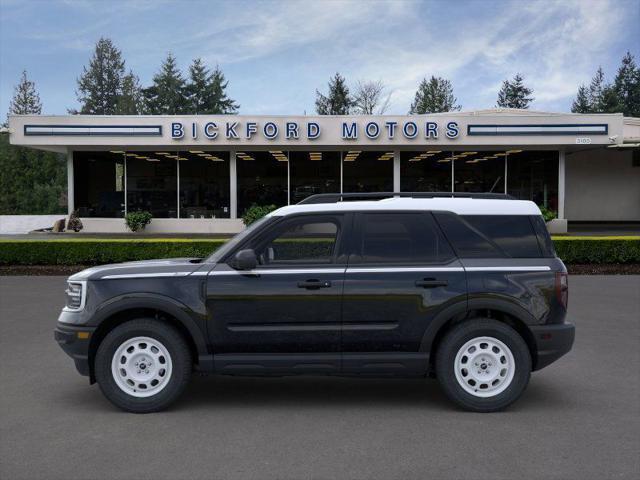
461 206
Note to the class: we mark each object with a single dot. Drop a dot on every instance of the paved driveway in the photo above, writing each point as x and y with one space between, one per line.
580 418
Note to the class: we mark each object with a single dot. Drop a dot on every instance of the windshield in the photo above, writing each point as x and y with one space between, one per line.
236 240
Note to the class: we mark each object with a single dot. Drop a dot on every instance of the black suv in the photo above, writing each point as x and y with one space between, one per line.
468 290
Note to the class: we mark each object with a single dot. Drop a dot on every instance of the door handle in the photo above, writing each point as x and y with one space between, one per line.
314 284
431 283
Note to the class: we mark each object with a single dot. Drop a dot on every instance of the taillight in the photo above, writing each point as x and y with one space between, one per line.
562 288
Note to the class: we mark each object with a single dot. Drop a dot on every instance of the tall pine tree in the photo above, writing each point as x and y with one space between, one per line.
100 85
25 99
514 94
627 86
167 94
130 101
338 100
206 92
433 96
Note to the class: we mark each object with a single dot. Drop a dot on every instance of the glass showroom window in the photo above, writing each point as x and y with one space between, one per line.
152 183
533 175
365 171
425 171
99 183
479 171
204 184
313 172
262 179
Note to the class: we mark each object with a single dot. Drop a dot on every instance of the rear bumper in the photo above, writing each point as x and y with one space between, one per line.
552 342
75 343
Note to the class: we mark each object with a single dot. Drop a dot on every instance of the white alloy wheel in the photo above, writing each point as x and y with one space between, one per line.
141 367
484 367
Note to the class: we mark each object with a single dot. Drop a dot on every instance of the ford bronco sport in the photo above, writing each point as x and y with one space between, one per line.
466 288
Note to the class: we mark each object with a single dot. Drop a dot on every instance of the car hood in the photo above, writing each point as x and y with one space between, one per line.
146 268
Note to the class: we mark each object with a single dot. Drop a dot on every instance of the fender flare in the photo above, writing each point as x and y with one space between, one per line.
176 309
503 304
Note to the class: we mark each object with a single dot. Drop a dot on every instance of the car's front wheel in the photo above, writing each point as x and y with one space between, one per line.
143 365
483 365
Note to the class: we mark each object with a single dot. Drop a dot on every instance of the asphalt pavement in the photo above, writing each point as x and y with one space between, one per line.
579 418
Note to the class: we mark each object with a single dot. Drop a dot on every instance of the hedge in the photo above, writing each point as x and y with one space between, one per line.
572 250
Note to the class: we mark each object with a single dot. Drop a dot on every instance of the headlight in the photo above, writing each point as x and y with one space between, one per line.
76 295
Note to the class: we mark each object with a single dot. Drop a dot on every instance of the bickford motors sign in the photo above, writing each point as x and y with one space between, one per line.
310 130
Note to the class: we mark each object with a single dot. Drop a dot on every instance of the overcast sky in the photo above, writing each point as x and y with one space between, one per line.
276 53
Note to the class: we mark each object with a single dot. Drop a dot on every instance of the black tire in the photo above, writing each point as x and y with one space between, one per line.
456 339
181 365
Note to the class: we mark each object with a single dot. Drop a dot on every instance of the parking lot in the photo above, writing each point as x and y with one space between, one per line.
579 418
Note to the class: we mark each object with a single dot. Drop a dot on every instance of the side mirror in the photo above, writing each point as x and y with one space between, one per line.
245 260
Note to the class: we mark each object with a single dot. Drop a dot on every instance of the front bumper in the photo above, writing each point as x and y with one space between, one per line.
75 340
552 342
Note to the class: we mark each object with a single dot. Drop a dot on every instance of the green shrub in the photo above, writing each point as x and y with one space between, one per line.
256 212
598 249
547 214
75 251
100 251
137 220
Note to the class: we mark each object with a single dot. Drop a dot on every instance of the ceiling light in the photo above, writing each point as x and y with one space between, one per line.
434 151
514 151
196 151
116 151
141 157
162 153
444 160
152 160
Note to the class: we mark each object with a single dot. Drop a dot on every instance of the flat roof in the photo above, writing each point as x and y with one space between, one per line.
461 206
480 128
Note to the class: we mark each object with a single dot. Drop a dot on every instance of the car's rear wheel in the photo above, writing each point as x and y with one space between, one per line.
483 365
143 365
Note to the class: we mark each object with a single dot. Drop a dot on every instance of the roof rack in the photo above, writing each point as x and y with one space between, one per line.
340 197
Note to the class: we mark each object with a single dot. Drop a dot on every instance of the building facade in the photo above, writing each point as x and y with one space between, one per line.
201 173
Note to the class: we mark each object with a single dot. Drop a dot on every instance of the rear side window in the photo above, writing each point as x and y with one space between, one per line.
401 238
510 236
544 239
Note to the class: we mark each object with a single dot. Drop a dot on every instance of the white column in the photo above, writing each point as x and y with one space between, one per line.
396 170
341 171
288 179
561 182
177 188
233 185
70 181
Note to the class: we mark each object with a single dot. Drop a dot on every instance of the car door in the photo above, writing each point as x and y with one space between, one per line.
400 274
284 315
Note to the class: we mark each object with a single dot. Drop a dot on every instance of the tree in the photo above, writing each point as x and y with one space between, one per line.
514 94
130 101
25 99
100 85
167 95
433 96
370 98
338 101
627 86
581 104
206 92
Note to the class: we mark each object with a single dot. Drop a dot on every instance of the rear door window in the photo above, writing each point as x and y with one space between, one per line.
400 238
491 236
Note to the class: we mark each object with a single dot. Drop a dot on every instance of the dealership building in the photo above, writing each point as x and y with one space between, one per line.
198 174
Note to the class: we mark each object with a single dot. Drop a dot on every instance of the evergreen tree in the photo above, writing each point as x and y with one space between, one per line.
627 86
338 101
130 101
581 104
514 94
100 85
206 91
433 96
596 91
167 95
25 99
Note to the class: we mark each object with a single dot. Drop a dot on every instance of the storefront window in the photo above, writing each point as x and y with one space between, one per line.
313 172
99 184
152 183
481 171
204 184
262 179
425 171
365 171
533 175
